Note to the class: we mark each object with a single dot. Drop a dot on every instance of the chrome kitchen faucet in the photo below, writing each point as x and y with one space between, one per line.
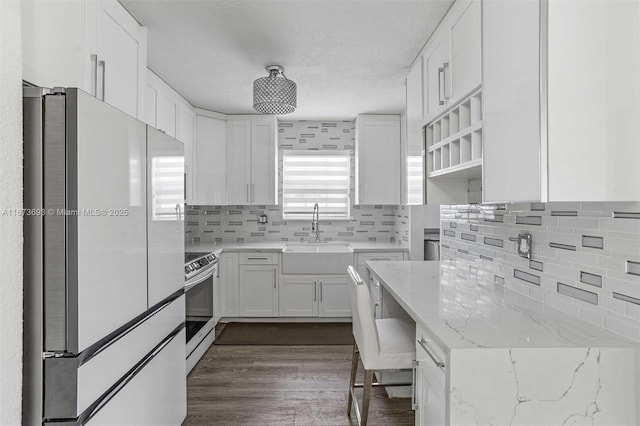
315 224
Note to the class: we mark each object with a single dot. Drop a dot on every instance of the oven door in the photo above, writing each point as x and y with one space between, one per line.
199 307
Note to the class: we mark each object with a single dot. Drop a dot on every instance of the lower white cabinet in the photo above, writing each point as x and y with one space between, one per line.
430 402
314 296
229 284
258 290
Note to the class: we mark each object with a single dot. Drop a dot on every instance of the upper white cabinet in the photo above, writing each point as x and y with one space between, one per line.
561 100
452 59
251 150
378 159
209 164
93 45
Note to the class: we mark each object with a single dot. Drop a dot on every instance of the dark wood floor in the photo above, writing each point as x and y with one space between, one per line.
281 385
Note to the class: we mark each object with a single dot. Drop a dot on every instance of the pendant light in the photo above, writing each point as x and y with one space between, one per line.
275 94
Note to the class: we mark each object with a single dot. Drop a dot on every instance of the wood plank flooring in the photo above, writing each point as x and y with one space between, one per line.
281 385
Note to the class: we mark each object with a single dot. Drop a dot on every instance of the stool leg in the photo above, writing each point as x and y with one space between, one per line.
366 395
352 380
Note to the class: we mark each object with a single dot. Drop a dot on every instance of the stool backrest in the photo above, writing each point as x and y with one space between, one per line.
364 325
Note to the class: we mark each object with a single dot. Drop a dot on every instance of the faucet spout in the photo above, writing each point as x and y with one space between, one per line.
315 221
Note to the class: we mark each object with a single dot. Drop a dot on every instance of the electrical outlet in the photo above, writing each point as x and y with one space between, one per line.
524 245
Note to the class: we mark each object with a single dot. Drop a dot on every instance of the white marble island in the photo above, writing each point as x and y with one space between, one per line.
506 362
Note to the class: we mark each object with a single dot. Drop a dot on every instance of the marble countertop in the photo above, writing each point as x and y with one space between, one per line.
356 246
461 313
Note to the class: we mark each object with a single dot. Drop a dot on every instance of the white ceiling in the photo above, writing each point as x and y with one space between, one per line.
347 57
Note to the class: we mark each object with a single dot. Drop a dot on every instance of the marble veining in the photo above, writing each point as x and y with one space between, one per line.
463 311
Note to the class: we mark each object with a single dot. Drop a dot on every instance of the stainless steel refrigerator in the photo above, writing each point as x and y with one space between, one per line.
104 339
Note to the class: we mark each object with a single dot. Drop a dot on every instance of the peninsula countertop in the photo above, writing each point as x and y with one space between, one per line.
462 312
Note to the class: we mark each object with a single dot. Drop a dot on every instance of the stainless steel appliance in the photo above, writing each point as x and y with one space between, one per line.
201 271
104 334
432 244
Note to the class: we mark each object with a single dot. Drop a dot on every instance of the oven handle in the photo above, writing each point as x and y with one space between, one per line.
208 274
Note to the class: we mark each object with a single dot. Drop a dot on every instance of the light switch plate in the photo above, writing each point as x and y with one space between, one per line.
524 245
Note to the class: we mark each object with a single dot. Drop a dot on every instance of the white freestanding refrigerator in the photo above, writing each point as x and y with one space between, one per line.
104 339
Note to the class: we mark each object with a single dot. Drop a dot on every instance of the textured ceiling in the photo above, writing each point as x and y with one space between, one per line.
347 57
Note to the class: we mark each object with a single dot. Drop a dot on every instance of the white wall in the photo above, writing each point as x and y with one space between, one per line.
10 227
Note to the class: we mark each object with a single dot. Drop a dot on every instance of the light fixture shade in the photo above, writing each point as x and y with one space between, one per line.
274 94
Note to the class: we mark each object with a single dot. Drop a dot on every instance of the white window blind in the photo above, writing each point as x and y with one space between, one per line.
167 186
311 177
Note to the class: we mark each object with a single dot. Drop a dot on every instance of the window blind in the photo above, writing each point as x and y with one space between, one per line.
167 186
316 177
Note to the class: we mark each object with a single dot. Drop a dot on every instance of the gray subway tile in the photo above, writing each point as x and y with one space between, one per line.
495 242
592 242
577 293
563 246
525 276
449 233
564 213
626 215
468 237
632 268
591 279
626 298
538 266
529 220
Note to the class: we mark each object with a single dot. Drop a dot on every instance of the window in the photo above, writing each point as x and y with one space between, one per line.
167 186
311 177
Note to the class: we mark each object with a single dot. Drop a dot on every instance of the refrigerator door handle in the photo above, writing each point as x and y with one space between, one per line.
102 64
94 74
178 217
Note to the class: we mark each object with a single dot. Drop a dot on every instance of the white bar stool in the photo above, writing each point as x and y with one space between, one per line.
382 344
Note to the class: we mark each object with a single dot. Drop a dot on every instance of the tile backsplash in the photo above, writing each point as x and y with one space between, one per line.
240 223
585 255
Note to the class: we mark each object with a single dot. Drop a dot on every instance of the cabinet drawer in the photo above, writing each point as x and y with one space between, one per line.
258 258
382 256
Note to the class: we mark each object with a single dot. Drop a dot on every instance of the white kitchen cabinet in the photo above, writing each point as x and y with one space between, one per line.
166 113
436 68
258 290
229 283
378 159
466 50
413 137
314 296
430 386
251 155
298 296
93 45
560 121
334 298
209 160
452 59
186 134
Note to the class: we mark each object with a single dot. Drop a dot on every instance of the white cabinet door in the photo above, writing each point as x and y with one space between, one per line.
334 296
431 409
238 157
436 70
53 44
150 105
298 296
263 163
378 159
186 134
165 215
210 162
229 284
167 113
414 141
466 56
121 46
258 291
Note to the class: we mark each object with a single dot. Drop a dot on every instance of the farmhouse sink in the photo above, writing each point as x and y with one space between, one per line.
316 258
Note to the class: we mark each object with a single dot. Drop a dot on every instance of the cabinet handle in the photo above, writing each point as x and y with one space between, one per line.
423 342
445 68
414 399
248 193
103 65
321 291
178 215
257 258
275 279
440 72
375 310
253 197
315 290
373 259
94 74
